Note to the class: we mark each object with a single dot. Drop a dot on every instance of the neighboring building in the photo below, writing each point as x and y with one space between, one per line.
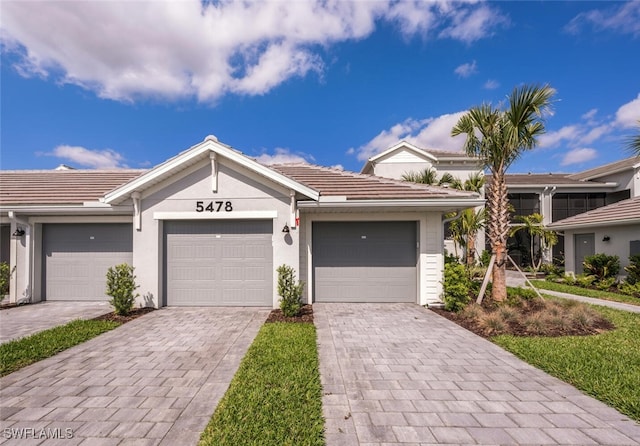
211 225
555 196
613 230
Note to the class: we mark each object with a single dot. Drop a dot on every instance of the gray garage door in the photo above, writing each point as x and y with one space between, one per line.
76 258
219 263
365 261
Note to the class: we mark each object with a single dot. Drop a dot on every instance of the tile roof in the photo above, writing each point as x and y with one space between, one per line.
622 212
356 186
60 186
625 164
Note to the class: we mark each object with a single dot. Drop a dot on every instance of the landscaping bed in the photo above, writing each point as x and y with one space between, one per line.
133 314
592 291
530 317
304 316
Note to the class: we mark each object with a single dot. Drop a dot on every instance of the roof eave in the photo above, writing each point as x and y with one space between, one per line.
628 221
562 185
461 203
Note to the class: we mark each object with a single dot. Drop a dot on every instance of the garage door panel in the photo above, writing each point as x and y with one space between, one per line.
365 261
76 258
211 263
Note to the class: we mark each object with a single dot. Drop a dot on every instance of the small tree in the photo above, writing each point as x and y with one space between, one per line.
121 285
289 291
537 231
633 270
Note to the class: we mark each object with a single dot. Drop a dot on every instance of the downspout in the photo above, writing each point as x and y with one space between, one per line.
293 209
137 213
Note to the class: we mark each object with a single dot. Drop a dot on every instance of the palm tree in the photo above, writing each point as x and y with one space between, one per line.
537 231
633 144
498 137
471 223
426 176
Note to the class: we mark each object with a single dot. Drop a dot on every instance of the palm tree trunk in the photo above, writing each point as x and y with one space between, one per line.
471 250
498 231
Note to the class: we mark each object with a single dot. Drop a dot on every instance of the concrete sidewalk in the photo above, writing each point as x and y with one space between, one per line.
153 381
25 320
515 279
400 374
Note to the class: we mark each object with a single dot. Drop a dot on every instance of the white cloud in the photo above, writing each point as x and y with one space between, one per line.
629 114
431 133
182 49
623 18
467 69
83 157
284 156
590 114
469 25
555 138
578 156
491 84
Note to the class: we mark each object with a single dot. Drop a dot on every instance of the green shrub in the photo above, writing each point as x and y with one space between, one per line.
289 291
569 279
485 257
601 266
585 280
456 287
121 285
450 258
5 277
519 293
633 270
630 289
607 283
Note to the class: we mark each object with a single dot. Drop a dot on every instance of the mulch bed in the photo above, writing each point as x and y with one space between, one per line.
305 316
134 314
514 328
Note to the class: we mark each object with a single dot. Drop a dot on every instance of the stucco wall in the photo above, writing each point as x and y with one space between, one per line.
244 189
618 244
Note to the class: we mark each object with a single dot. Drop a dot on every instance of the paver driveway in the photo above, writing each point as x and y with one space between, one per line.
29 319
400 374
155 380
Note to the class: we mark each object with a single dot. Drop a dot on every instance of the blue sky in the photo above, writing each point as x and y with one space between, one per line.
130 84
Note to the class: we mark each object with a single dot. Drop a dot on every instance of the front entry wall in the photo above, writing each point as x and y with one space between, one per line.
172 230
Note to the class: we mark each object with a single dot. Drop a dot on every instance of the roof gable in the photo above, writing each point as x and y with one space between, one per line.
195 155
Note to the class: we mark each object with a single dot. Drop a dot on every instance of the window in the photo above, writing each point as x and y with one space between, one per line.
568 205
525 204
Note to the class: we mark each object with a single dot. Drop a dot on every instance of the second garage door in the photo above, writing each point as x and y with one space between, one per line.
76 258
365 261
218 263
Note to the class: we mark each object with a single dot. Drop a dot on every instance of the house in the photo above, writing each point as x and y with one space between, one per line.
211 225
555 196
613 230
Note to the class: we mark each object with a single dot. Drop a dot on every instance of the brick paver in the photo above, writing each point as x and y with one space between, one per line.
400 374
28 319
153 381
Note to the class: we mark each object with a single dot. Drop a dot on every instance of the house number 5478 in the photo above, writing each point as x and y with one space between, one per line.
214 206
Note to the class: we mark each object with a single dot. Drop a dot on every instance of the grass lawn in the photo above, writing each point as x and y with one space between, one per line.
606 295
605 366
21 352
275 398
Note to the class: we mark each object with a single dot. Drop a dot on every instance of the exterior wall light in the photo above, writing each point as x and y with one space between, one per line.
286 229
18 232
606 238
